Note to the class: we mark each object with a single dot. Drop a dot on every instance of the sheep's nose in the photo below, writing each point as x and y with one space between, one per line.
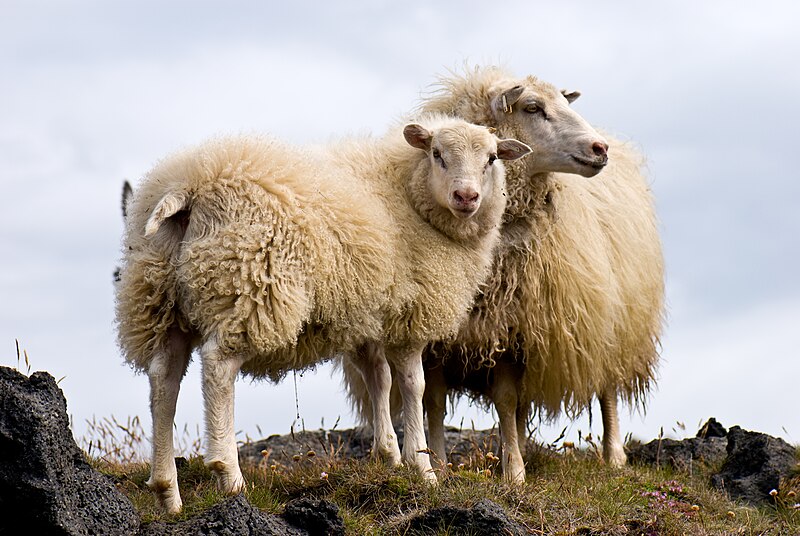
466 196
600 148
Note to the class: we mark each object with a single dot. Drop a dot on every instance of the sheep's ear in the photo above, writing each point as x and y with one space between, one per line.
511 149
418 136
502 103
571 96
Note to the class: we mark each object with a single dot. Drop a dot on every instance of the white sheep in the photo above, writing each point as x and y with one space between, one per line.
575 304
270 258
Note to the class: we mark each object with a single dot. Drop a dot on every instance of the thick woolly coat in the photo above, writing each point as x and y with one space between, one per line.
288 255
576 293
575 298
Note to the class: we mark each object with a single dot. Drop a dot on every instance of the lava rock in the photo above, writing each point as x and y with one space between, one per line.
754 466
46 484
318 517
484 518
682 454
712 428
231 517
282 448
356 444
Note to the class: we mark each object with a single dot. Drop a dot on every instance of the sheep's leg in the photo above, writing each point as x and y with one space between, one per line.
434 401
219 376
166 371
523 412
371 362
506 398
613 453
411 380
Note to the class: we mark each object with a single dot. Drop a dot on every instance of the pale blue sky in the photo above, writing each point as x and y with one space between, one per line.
96 92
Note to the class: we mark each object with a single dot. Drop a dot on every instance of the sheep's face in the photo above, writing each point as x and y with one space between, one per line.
540 115
463 163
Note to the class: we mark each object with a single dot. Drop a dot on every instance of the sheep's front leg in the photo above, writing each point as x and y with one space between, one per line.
613 452
434 401
219 376
410 379
165 372
506 399
371 362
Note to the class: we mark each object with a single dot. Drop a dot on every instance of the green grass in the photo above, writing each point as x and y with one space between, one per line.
569 494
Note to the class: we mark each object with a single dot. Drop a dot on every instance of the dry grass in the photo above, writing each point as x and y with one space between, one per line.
569 490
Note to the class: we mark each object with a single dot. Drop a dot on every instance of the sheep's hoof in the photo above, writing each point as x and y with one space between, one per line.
429 476
389 456
167 495
615 457
515 477
229 481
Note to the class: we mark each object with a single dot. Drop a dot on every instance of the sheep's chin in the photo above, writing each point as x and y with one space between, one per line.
463 213
589 167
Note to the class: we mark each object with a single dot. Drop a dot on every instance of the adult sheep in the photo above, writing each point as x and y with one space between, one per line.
575 303
269 258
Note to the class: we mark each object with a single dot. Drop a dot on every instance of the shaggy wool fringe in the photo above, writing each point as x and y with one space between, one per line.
288 255
576 292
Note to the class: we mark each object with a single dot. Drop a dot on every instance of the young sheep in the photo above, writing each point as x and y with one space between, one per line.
269 258
575 303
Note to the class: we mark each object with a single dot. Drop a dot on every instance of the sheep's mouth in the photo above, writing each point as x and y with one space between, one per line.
594 163
463 213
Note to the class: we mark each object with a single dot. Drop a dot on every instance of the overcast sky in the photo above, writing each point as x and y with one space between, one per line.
92 93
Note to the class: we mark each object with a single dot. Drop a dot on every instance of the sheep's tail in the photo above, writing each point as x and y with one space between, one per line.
127 195
170 204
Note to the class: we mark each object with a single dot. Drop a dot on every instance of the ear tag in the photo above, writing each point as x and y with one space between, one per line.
506 107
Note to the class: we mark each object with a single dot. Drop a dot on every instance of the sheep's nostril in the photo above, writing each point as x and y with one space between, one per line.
466 196
600 148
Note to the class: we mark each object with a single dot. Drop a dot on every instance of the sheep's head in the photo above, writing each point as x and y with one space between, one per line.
540 115
463 166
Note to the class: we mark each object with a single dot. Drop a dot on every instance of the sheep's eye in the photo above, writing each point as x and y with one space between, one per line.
492 158
533 109
438 156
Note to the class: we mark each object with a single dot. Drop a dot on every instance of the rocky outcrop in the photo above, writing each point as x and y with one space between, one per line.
45 480
48 487
484 518
752 463
755 464
356 444
707 447
303 517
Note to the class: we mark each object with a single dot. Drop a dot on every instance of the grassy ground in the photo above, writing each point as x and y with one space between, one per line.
569 492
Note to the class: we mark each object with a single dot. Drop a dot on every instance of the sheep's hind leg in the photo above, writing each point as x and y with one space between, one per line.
613 452
435 403
371 363
219 376
506 397
411 381
165 372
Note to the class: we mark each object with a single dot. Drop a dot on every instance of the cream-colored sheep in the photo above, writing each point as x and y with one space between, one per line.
270 258
575 303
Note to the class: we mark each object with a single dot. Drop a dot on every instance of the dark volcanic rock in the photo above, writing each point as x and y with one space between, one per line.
680 454
754 466
232 517
46 484
318 517
235 516
484 518
281 448
712 428
356 444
